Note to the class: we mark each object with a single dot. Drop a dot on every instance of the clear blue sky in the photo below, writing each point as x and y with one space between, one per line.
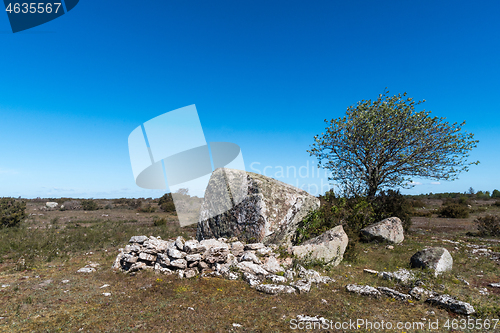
263 75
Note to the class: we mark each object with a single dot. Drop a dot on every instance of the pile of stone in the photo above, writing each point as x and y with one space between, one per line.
255 263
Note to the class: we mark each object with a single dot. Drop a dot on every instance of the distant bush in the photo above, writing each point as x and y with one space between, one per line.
147 209
495 194
417 203
454 211
89 205
166 203
488 225
159 221
11 212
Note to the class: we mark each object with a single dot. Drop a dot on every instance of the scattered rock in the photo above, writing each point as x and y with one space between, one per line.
450 303
303 286
138 239
494 285
86 270
418 293
254 246
106 294
363 290
51 204
390 230
394 294
402 275
437 259
315 319
275 289
250 256
371 271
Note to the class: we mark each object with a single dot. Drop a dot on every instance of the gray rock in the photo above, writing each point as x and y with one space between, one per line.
130 258
265 210
179 242
209 243
276 278
193 257
163 259
190 273
275 289
363 290
250 267
175 253
437 259
193 246
138 239
137 267
253 280
315 319
250 256
237 248
290 274
264 251
179 263
390 230
254 246
272 265
494 285
328 247
117 263
312 276
154 245
303 286
394 294
147 257
402 275
418 293
216 254
452 304
51 204
86 270
164 270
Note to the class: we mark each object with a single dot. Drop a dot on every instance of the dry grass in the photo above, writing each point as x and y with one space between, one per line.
158 303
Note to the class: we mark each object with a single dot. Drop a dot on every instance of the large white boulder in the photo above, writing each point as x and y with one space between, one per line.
328 247
389 230
437 259
252 207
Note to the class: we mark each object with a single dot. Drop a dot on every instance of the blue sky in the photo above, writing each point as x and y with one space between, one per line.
263 75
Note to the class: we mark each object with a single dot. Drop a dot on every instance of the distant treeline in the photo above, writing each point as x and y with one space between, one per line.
481 195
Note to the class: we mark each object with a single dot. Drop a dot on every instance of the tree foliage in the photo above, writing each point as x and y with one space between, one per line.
11 212
385 143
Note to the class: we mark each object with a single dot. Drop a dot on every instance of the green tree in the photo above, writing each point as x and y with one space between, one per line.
11 212
495 194
385 143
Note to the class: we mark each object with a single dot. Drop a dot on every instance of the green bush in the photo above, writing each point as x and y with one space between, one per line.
392 203
488 225
166 203
147 209
89 205
11 212
495 194
454 211
159 221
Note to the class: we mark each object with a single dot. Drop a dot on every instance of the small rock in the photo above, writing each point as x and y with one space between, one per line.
175 253
106 294
303 286
179 263
436 258
494 285
250 256
393 293
190 273
275 289
363 290
315 319
371 271
450 303
254 246
237 325
138 239
104 286
276 278
86 270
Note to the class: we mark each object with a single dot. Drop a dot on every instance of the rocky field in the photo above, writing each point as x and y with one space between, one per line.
56 275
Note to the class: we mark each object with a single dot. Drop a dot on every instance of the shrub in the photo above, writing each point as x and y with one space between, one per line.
392 203
89 205
147 209
454 211
488 225
418 203
166 203
495 194
159 221
12 212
